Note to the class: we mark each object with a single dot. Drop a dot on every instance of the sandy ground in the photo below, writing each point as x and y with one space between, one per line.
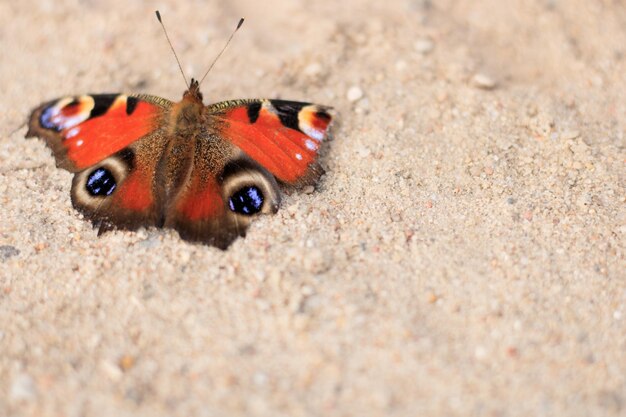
464 255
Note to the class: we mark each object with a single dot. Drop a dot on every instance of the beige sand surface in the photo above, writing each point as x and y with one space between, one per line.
464 255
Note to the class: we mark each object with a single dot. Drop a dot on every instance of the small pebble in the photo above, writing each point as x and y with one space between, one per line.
260 378
40 246
308 189
307 291
111 370
401 65
184 257
126 362
313 69
354 93
151 242
480 352
532 110
23 388
484 81
363 152
512 352
293 209
424 45
570 134
7 252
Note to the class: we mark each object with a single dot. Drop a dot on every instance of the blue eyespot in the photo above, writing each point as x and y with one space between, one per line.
46 116
247 201
100 182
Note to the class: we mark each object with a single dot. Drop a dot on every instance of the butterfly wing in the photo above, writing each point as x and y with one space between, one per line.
245 147
113 144
223 192
84 130
284 137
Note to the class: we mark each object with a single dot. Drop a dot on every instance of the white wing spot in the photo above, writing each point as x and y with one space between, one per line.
310 145
299 157
312 132
72 132
79 142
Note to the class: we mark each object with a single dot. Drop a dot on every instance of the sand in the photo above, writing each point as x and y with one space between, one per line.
464 254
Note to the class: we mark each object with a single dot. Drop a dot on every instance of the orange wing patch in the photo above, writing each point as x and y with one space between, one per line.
136 191
94 139
91 128
283 137
202 201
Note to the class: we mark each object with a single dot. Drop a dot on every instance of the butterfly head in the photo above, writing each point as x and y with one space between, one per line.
193 92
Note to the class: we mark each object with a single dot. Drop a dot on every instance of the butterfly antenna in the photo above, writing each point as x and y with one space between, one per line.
18 128
158 15
223 49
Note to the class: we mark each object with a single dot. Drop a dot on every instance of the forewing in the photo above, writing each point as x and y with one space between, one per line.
284 137
84 130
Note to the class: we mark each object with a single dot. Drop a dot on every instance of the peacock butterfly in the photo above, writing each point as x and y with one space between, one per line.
206 171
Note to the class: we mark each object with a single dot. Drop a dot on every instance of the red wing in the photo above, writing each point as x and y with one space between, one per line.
223 192
283 136
85 130
122 190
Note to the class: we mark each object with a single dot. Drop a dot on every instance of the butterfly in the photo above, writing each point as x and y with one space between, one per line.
206 171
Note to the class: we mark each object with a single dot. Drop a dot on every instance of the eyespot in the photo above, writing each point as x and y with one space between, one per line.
46 118
247 201
100 182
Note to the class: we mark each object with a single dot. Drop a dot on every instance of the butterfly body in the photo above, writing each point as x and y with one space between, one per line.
206 171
